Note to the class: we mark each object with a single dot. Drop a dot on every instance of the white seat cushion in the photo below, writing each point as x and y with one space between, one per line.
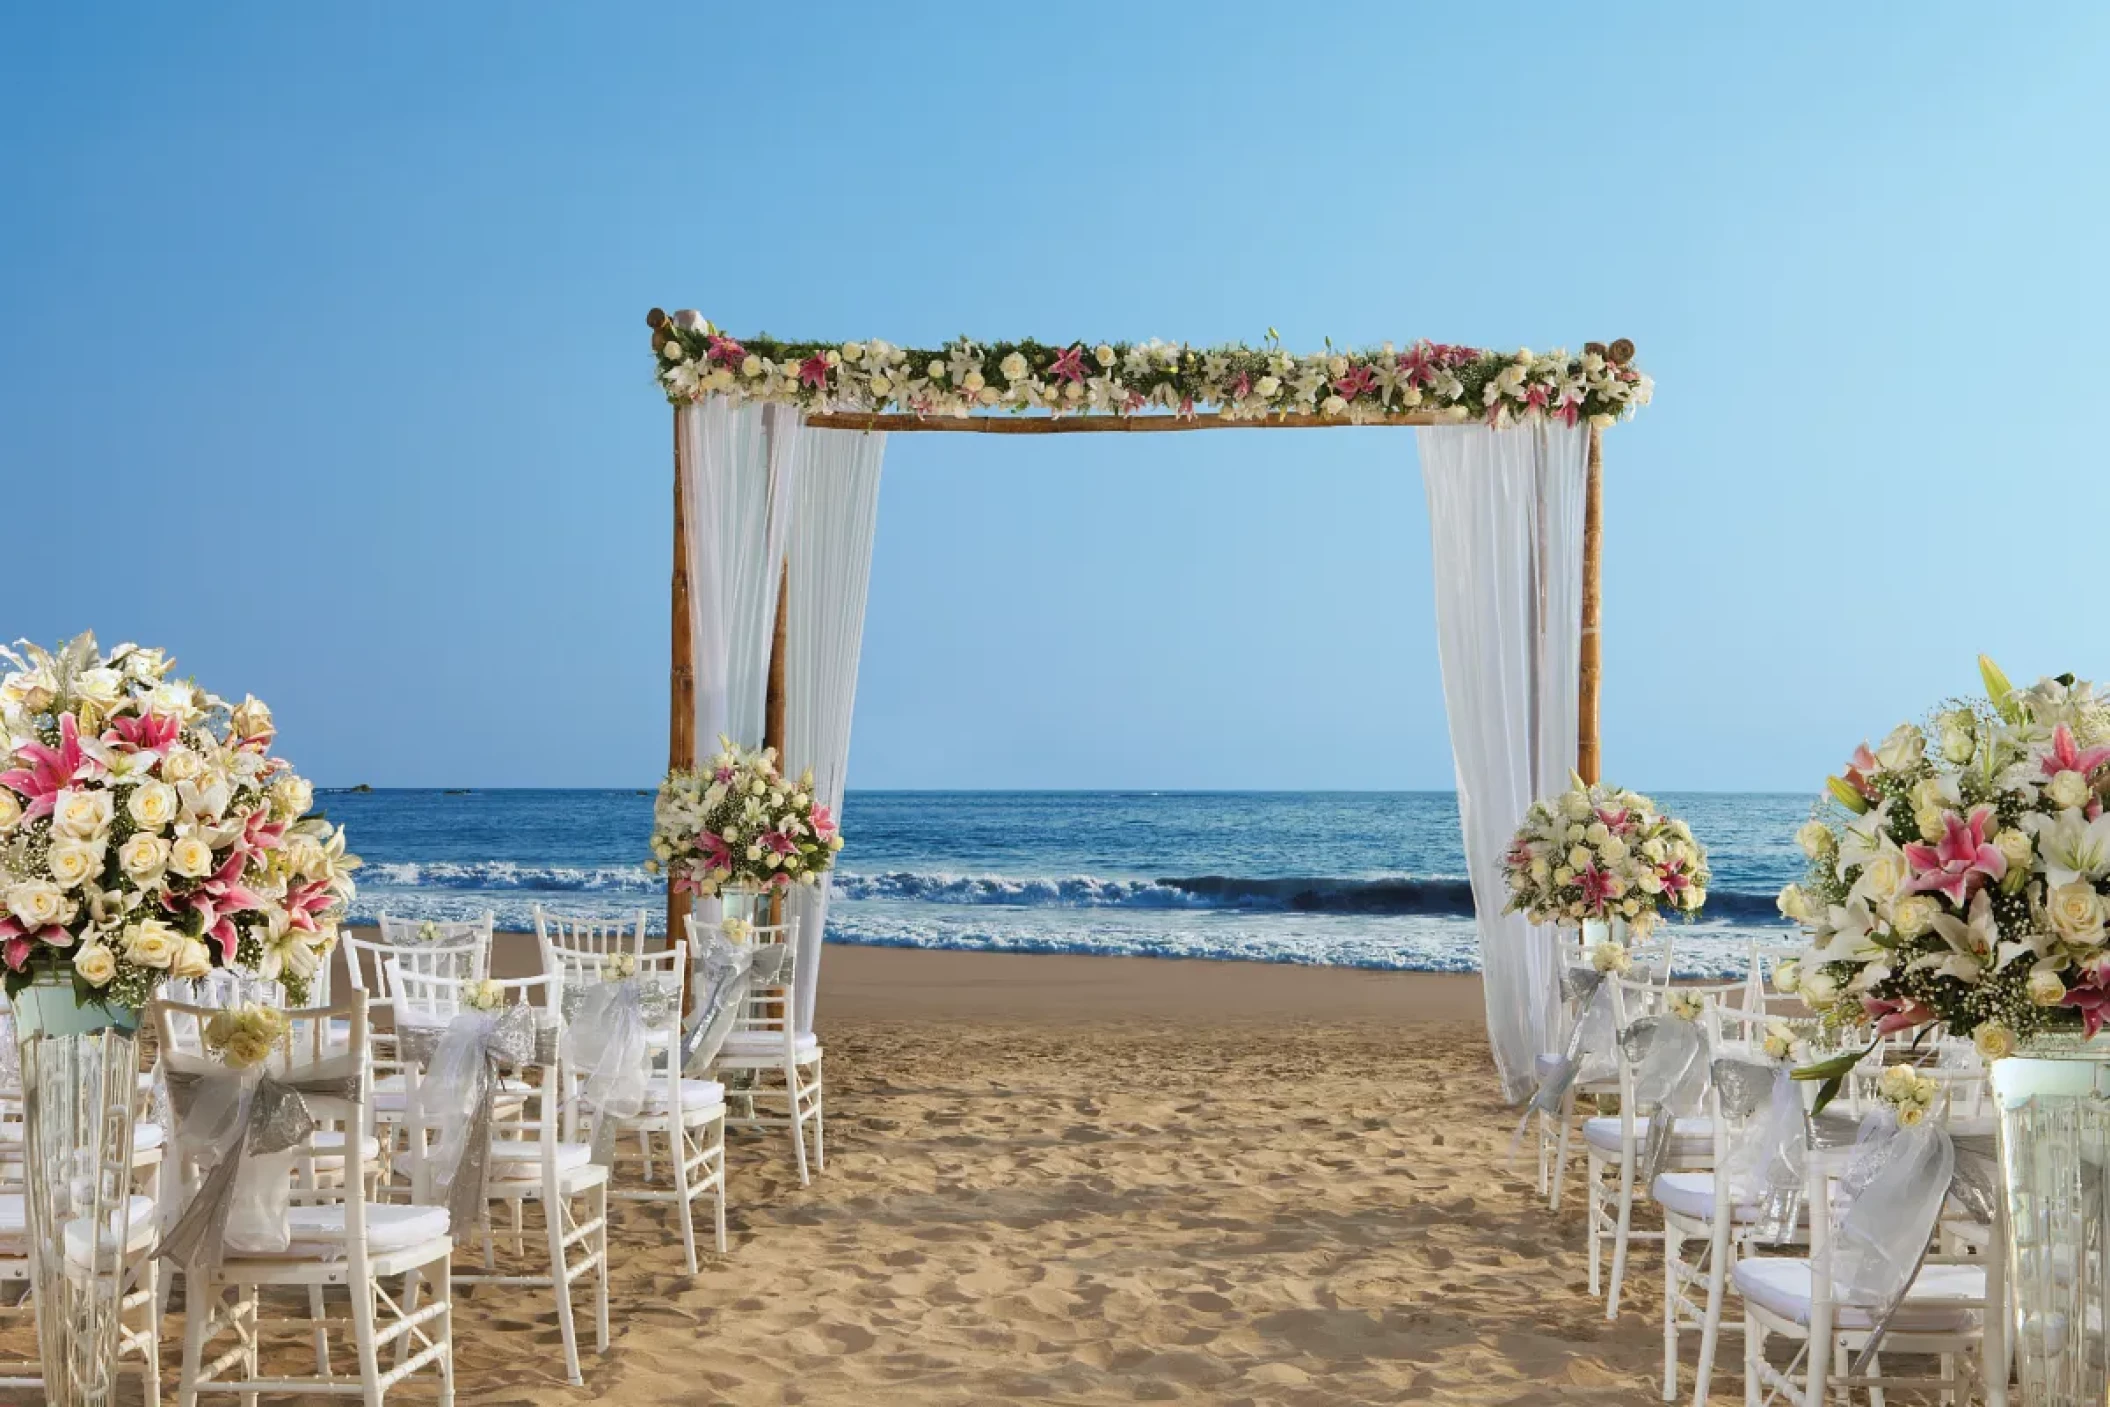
139 1234
319 1231
329 1143
1781 1285
147 1136
1688 1136
523 1156
1692 1194
756 1043
695 1094
14 1227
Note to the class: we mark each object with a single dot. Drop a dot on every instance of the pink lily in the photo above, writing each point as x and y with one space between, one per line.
814 371
717 855
1675 880
725 351
218 896
1901 1014
1962 860
49 770
1242 387
2091 997
1537 396
2066 757
1617 819
1069 366
1596 888
1417 365
305 901
1359 380
781 843
147 732
823 822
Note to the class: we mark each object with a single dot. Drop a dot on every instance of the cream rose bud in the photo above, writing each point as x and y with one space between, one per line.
1903 748
1103 354
2045 988
1539 870
142 856
1613 849
1266 387
2076 911
1333 405
71 862
2014 847
181 765
1913 915
936 371
1580 858
1994 1041
973 381
2068 790
152 943
191 857
152 805
1820 990
10 811
83 815
1794 904
1013 367
853 351
292 796
1562 874
1815 838
1957 744
1787 976
99 686
95 963
1650 882
750 365
193 960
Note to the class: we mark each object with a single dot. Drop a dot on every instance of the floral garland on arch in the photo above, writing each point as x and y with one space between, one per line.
695 360
146 832
736 821
1598 852
1959 872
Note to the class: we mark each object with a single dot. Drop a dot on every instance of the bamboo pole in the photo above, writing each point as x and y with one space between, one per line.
1586 736
681 693
1105 424
773 702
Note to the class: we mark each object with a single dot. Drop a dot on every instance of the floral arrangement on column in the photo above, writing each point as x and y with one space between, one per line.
695 359
1958 871
147 831
1600 853
736 822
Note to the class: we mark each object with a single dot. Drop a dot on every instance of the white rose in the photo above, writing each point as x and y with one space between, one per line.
152 805
1266 387
1575 806
1884 875
2076 910
1073 392
1597 833
2045 988
1794 904
194 960
99 686
973 381
38 903
10 811
1539 870
152 943
1819 990
191 858
1994 1041
1613 849
1332 405
83 815
1786 977
73 861
2014 847
1562 874
1815 838
176 700
1013 367
1103 354
292 796
2068 790
142 856
751 365
1903 748
96 964
181 765
1913 915
1958 742
1580 858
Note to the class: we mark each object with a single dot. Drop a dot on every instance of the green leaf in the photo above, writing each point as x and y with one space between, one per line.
1826 1093
1834 1068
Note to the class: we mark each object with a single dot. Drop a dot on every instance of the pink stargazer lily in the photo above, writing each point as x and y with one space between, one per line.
1961 861
1617 819
781 843
1242 387
814 371
1596 885
2091 997
49 770
2066 756
1675 880
823 822
146 732
725 351
305 901
215 899
1068 366
1892 1016
1359 381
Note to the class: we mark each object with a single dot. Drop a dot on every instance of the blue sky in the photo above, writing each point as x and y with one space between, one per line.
322 361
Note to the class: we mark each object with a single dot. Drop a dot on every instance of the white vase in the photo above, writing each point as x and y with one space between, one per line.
2054 1102
1598 930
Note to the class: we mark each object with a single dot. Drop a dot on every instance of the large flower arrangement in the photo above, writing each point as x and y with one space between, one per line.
146 831
695 360
1597 852
737 822
1958 871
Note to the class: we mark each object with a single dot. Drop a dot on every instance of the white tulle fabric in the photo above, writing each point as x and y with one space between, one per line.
1505 525
737 466
837 516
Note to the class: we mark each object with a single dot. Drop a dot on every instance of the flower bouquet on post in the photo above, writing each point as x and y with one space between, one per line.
147 831
1598 855
736 824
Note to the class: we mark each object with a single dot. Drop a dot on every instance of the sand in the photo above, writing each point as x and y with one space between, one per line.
1101 1180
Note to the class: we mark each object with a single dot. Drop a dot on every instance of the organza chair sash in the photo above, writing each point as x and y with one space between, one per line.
1669 1060
455 1097
607 1040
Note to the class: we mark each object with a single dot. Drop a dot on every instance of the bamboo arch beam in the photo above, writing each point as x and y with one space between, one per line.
1104 424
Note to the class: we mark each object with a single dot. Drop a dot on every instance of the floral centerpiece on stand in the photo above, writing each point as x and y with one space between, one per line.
1600 854
736 823
1958 872
147 831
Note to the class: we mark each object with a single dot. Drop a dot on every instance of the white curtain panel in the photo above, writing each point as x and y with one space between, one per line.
1505 527
738 470
833 526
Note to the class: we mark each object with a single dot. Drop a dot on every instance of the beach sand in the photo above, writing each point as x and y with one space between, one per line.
1098 1180
1085 1180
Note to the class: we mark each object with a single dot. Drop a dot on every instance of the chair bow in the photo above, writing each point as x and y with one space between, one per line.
455 1096
248 1124
1765 1164
725 972
605 1038
1670 1078
1591 1035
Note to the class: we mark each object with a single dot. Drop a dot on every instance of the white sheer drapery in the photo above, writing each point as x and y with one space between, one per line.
737 475
1505 527
833 526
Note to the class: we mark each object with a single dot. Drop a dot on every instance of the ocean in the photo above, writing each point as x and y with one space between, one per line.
1343 879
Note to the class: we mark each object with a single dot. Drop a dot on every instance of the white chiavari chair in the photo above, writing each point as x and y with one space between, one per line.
1944 1314
687 1114
1614 1142
528 1159
766 1043
601 937
1557 1132
333 1237
425 948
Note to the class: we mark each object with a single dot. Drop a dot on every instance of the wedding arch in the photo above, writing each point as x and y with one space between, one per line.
777 454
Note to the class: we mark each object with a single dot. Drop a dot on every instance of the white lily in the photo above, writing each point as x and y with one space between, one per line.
1972 944
2072 847
1865 837
1851 926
